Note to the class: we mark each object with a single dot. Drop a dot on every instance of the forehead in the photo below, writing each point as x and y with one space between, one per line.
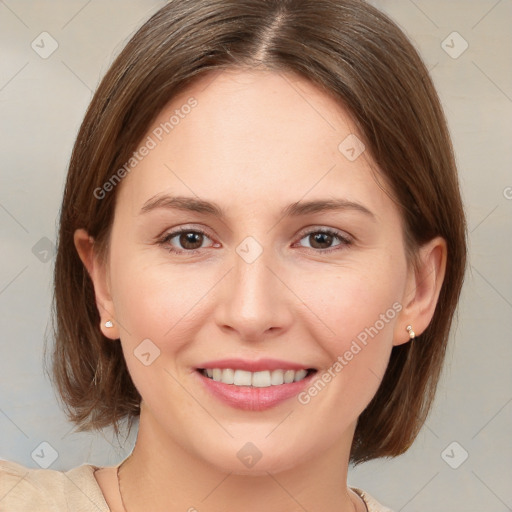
254 137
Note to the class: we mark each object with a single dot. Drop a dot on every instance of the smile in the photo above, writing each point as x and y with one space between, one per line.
260 379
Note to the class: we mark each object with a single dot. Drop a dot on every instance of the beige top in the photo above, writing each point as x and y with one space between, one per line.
24 489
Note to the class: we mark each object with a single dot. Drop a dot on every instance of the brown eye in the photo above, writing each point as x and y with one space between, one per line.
320 240
184 240
191 240
325 240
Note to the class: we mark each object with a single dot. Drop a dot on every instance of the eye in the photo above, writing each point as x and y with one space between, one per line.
188 240
322 240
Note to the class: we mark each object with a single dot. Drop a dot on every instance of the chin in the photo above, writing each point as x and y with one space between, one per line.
262 468
247 459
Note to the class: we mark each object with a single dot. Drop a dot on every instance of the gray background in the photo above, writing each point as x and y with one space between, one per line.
42 102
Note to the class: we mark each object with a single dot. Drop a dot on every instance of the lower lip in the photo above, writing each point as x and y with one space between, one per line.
252 398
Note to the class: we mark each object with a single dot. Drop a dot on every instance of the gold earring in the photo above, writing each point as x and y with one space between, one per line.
109 324
412 334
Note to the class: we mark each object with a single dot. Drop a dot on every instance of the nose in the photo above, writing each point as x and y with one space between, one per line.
254 302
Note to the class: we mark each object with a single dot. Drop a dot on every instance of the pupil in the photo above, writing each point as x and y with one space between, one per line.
322 238
190 238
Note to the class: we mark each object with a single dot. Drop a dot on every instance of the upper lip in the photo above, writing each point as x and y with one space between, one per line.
254 366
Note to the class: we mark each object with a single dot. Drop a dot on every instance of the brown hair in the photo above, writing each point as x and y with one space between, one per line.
354 53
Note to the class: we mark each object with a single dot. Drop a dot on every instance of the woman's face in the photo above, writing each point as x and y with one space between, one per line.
260 283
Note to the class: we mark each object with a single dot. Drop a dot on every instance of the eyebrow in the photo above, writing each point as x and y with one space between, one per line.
193 204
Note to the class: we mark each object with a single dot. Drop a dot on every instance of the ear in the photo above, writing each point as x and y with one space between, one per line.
422 290
98 272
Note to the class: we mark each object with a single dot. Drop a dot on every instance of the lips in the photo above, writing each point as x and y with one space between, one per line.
254 385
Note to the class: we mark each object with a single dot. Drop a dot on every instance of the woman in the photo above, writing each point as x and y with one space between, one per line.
261 248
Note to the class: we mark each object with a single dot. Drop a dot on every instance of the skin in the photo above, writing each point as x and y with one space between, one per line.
256 142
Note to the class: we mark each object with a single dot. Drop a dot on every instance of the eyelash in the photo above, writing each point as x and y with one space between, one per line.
344 240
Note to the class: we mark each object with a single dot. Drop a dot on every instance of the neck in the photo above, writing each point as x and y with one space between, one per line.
161 475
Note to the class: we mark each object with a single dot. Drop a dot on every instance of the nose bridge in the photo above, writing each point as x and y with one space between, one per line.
254 301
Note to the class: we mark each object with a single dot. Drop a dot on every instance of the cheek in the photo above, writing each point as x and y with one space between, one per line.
156 304
158 300
139 305
355 316
349 302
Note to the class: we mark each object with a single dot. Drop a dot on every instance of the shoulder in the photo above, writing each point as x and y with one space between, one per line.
371 503
25 489
22 488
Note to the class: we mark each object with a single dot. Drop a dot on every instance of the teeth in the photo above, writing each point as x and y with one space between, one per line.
263 379
228 376
300 374
276 377
242 378
289 375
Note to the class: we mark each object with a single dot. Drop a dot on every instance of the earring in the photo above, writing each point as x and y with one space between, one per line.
109 324
412 334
